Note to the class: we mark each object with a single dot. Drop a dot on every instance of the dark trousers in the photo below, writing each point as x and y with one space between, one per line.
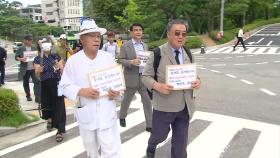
36 87
240 39
2 72
179 122
53 106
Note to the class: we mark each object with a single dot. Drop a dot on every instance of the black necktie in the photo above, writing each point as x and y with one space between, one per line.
177 57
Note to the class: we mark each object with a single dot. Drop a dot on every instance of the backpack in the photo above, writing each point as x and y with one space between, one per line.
157 58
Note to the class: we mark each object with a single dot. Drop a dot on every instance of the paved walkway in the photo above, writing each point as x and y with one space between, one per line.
29 106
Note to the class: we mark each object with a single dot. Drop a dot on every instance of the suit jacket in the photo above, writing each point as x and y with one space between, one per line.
175 101
23 65
131 72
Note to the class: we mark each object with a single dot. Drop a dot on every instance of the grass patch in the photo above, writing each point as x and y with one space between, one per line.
19 118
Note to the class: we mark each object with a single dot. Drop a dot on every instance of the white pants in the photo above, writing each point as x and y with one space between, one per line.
105 143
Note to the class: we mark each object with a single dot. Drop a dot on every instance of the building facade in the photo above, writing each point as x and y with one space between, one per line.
33 12
64 13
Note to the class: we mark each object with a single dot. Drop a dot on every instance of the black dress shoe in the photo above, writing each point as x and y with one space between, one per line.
149 129
29 99
122 122
149 154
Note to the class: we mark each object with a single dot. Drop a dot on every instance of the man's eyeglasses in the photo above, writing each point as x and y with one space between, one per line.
178 33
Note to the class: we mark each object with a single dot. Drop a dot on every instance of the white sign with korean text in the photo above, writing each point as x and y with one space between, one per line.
109 78
181 76
30 55
143 57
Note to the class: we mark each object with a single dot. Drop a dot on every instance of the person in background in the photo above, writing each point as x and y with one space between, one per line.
3 58
26 69
77 46
119 42
240 39
96 115
48 68
63 49
171 108
132 74
111 46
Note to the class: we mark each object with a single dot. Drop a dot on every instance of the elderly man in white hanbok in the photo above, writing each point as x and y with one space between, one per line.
96 116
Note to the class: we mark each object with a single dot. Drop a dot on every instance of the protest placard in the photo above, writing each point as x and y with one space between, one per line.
181 76
30 55
143 56
108 78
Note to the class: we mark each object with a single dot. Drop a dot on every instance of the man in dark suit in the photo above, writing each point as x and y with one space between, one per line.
3 57
26 69
171 108
132 74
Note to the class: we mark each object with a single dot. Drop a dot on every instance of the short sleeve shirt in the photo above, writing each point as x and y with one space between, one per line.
48 71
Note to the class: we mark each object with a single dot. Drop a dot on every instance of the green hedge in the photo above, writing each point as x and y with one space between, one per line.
192 42
9 103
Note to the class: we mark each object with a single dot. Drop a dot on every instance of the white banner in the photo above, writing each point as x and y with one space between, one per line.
181 76
30 55
109 78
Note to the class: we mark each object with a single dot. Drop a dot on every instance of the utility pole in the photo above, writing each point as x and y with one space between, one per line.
222 18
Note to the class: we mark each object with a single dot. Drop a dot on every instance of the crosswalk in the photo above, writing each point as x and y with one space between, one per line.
210 136
240 50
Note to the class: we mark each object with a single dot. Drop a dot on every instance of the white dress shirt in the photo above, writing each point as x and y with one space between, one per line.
94 113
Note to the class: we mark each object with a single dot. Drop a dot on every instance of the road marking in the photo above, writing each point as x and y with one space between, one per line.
228 57
276 61
248 82
214 58
239 56
260 40
215 71
250 55
210 149
60 149
267 92
269 43
262 63
229 75
203 68
219 65
241 64
35 140
278 33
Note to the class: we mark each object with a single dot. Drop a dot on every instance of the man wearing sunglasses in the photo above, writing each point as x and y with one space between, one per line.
171 108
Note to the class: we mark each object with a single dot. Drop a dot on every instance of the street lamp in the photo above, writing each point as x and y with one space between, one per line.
222 17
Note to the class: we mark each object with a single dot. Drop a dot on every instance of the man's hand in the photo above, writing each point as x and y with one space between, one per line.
136 62
113 94
196 84
163 88
89 92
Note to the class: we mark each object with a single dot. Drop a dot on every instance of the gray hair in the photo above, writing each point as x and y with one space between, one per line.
176 21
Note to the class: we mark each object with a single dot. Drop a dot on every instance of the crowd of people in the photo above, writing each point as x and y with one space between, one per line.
55 75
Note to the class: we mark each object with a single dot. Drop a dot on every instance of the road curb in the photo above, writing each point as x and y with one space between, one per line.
9 130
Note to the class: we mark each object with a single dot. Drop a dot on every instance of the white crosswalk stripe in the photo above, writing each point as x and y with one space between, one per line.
240 50
213 140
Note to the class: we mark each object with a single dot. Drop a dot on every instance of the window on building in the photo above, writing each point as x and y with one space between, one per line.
49 13
25 10
49 5
38 11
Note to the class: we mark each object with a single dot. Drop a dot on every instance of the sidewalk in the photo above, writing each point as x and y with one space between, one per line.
11 136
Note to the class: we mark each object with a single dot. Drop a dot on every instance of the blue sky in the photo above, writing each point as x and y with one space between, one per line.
27 2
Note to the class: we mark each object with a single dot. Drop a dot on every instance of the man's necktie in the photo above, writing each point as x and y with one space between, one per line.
177 57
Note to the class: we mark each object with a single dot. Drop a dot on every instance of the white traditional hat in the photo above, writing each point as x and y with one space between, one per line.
88 26
46 46
62 36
